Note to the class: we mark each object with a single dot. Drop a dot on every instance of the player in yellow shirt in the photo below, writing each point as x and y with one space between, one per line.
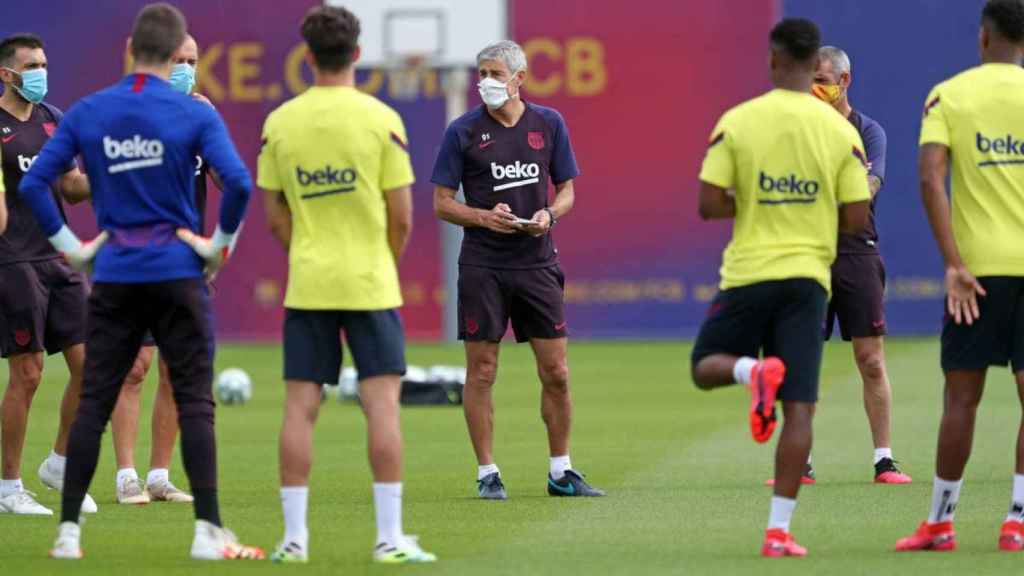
792 173
336 174
974 122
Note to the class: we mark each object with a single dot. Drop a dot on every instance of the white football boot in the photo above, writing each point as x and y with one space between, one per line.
216 543
68 544
53 478
130 491
23 502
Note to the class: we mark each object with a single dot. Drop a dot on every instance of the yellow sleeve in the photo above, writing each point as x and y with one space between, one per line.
853 176
934 124
719 168
267 177
395 165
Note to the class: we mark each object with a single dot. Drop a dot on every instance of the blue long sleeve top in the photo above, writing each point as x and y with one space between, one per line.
138 140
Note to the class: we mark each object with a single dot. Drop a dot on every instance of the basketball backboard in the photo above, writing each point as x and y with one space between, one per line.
446 33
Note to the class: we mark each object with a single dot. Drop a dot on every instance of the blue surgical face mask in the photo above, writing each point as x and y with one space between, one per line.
33 85
183 78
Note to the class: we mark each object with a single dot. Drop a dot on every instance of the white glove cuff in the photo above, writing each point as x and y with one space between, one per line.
221 240
65 240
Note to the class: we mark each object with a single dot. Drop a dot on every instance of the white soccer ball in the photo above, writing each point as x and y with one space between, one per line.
233 386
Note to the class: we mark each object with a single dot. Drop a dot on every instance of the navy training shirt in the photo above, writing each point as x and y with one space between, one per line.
497 164
873 136
139 140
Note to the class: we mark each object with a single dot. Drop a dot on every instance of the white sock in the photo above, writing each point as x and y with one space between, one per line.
882 453
294 502
741 370
56 461
486 470
126 473
945 495
1017 503
559 464
157 476
782 513
8 487
387 501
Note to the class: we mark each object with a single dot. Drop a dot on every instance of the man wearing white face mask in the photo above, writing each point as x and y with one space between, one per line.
503 155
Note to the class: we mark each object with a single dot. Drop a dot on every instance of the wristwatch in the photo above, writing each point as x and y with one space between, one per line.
552 216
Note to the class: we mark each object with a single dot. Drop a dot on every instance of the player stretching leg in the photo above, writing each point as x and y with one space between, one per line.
775 271
503 154
42 300
974 122
124 422
138 139
336 174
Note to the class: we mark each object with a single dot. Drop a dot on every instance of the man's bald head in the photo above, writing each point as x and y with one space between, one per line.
187 53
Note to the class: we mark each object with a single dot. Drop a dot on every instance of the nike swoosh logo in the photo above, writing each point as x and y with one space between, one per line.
560 326
878 324
7 139
569 490
486 144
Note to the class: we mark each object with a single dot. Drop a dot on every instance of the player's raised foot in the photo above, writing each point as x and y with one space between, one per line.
938 537
806 478
217 543
765 379
779 544
886 472
406 551
1011 536
491 487
68 544
130 491
572 484
289 553
53 478
164 491
23 502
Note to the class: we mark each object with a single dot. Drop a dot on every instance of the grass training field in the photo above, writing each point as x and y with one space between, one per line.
683 476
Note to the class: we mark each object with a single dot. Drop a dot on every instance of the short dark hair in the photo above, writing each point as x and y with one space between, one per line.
9 46
1007 17
159 30
797 37
332 34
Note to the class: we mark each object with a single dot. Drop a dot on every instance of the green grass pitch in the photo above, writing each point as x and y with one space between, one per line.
684 478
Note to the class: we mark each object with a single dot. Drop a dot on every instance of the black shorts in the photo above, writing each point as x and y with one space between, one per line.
997 337
858 292
779 318
42 307
312 343
531 299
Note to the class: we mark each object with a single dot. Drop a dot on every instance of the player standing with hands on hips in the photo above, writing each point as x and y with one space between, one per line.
139 139
503 154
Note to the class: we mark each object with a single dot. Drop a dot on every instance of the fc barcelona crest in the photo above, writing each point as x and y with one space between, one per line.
50 128
536 140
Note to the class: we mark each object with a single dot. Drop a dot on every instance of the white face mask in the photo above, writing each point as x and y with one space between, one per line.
493 92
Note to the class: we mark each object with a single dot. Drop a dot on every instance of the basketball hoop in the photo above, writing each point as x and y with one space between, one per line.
407 75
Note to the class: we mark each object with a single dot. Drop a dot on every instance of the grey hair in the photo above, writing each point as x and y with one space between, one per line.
839 59
506 51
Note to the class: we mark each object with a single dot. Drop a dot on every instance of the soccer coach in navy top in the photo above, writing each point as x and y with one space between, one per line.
139 139
503 154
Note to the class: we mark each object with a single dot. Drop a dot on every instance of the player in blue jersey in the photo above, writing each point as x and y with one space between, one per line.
138 139
503 154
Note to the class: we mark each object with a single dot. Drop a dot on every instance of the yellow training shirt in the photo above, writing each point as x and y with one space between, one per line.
979 116
792 160
334 152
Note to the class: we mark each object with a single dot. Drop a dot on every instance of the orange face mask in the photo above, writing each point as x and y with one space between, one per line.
828 93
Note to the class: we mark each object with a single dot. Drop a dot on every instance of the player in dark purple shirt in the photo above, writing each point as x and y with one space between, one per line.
504 154
858 274
42 300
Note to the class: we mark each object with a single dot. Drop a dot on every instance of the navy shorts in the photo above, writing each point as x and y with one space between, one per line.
532 299
997 337
779 318
42 307
312 343
858 293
